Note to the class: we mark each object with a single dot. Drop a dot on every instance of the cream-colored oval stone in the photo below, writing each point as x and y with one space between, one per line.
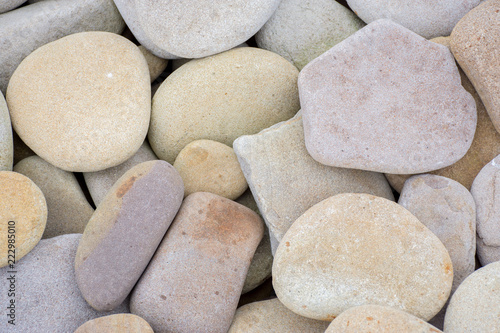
6 141
241 91
82 103
118 323
23 213
356 249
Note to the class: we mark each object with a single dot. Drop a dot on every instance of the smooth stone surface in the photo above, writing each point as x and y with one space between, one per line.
6 141
300 31
286 181
7 5
195 278
407 111
124 232
222 97
427 18
156 64
97 113
27 28
261 266
271 316
475 306
449 211
357 249
118 323
22 202
47 297
68 209
99 182
376 318
210 166
475 42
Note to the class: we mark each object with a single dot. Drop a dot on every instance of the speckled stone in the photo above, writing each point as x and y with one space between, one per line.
156 64
357 249
47 297
427 18
195 278
82 103
7 5
210 166
222 97
118 323
27 28
407 111
271 316
68 209
124 232
376 318
300 31
21 202
6 142
475 306
475 42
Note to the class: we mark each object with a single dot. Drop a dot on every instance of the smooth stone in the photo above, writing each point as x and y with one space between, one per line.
222 97
286 181
23 213
99 182
427 18
156 64
195 278
300 31
261 266
449 211
47 297
21 150
475 42
486 193
271 316
98 110
376 318
210 166
356 249
6 140
124 232
475 306
118 323
7 5
28 28
68 209
388 101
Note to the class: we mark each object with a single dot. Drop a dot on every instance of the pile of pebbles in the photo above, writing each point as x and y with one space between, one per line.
249 166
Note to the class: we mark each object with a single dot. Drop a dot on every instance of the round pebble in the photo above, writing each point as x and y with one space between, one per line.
118 323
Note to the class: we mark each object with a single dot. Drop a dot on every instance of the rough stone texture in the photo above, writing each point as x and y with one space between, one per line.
195 278
124 232
427 18
156 64
100 182
475 306
7 5
68 209
27 28
376 318
215 98
286 181
23 203
261 265
194 29
118 323
82 103
6 142
300 31
210 166
486 193
47 298
475 42
449 211
388 101
272 317
357 249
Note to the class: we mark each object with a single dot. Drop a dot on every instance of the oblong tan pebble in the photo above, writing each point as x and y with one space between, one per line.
6 139
355 249
222 97
271 316
82 103
118 323
210 166
23 216
378 319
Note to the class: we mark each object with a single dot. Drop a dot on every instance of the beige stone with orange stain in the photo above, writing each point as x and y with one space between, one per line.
118 323
355 249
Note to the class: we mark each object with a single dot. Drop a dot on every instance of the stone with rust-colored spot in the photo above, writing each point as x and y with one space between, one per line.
124 232
6 139
156 64
118 323
356 249
195 278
